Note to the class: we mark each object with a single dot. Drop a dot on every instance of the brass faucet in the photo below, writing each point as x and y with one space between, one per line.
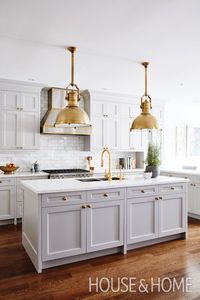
109 174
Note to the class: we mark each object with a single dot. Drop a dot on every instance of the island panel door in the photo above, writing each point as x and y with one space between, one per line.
172 212
142 219
63 231
104 225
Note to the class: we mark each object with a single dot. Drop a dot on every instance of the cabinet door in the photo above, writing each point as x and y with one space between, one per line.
142 219
172 212
10 129
63 231
7 199
29 102
110 133
124 133
29 130
196 198
19 207
104 225
9 100
98 137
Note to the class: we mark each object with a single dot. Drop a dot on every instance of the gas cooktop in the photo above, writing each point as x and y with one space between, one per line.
64 173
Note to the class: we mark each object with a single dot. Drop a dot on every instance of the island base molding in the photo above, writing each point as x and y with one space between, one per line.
39 265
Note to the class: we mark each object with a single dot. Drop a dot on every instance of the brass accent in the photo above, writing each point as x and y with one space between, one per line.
105 195
64 198
172 188
0 181
109 174
83 206
160 198
72 115
145 120
156 198
185 177
194 184
89 206
142 191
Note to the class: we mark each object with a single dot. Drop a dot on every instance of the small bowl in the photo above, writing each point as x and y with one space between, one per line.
147 175
8 170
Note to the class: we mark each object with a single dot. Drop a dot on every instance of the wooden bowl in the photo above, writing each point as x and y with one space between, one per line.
8 170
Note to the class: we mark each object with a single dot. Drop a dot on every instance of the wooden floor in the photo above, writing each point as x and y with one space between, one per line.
175 259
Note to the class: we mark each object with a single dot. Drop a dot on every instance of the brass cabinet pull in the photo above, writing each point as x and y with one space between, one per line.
142 191
64 198
172 188
0 181
83 206
160 198
105 195
191 184
194 184
89 206
156 198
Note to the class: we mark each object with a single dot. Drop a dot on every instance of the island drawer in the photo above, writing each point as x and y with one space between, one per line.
63 198
140 191
107 194
7 181
172 188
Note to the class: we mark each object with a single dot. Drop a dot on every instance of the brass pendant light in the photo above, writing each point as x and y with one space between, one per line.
72 115
145 120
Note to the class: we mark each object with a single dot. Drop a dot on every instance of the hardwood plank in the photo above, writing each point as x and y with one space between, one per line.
175 259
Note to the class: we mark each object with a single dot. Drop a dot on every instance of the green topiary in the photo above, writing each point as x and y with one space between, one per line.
153 155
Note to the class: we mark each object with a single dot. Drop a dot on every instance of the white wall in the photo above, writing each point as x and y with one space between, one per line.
178 115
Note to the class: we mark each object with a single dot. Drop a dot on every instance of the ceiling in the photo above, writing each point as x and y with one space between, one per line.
112 37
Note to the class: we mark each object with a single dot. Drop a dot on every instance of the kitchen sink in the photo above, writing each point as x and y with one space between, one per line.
96 179
88 179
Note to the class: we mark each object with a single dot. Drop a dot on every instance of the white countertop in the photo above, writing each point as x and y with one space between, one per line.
23 174
182 171
46 186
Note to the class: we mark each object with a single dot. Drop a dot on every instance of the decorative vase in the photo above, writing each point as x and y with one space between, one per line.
154 169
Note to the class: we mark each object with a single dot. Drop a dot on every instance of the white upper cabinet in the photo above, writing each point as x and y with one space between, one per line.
10 100
29 130
20 116
10 129
29 102
104 125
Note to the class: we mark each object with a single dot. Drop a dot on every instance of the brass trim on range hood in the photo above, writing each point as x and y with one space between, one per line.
145 120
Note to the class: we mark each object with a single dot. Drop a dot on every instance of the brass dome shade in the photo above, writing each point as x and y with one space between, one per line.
145 120
72 115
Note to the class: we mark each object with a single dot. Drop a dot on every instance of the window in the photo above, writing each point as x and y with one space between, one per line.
188 141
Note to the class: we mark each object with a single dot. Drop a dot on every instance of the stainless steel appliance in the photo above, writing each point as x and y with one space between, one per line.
67 173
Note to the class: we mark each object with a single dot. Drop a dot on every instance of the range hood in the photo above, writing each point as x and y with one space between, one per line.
56 102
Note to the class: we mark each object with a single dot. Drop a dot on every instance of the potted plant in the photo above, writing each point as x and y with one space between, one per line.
153 160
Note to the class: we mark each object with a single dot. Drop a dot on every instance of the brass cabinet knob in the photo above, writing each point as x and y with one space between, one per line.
142 191
194 184
83 206
89 206
0 181
21 108
172 188
105 195
156 198
160 198
64 198
191 184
